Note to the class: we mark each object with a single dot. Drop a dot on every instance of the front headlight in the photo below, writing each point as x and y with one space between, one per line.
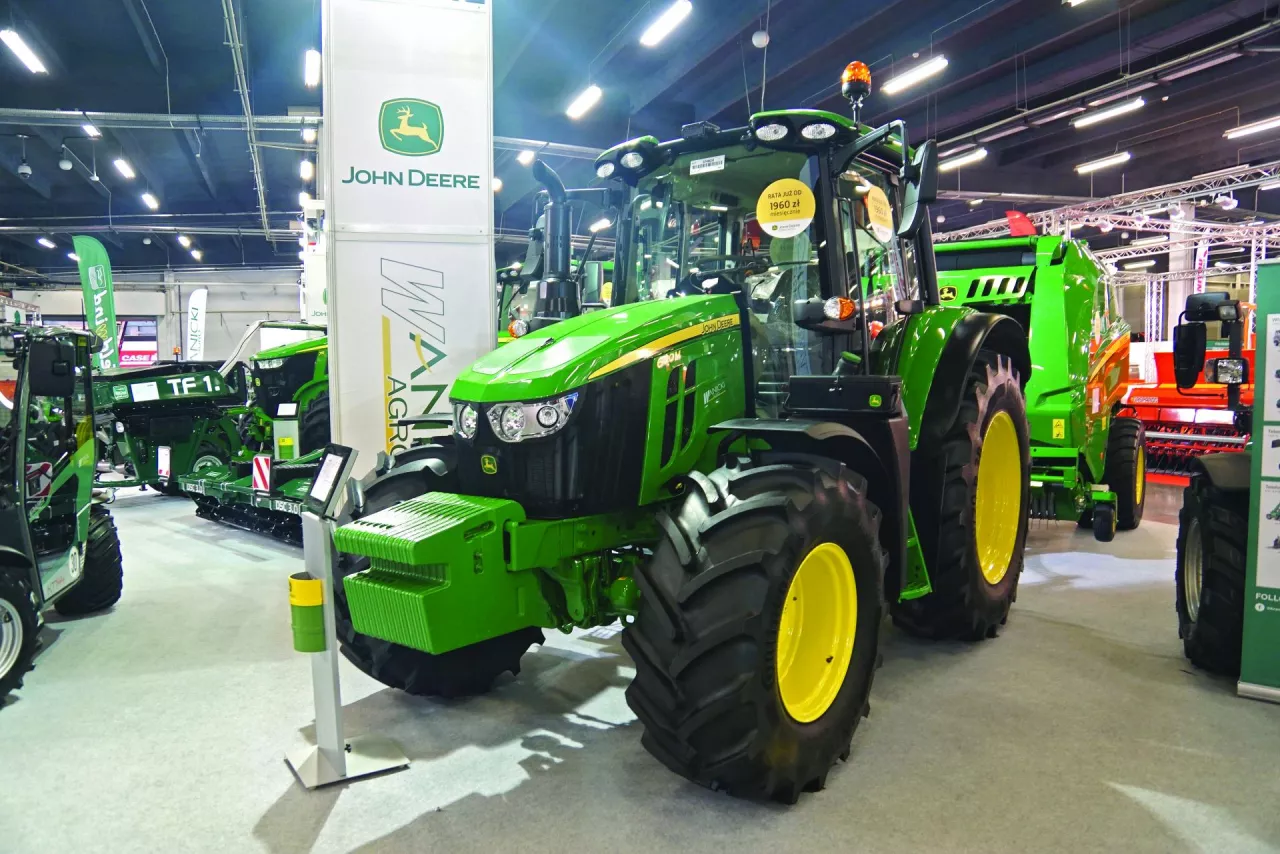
269 364
465 419
515 422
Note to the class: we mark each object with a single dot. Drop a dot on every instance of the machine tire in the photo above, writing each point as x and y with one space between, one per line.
1104 523
103 580
1126 470
1215 523
313 428
459 673
964 603
21 618
708 639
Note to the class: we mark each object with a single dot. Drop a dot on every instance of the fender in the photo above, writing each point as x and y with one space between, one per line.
973 332
1227 472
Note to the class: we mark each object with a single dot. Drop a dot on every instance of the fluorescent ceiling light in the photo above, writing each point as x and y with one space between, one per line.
973 203
1254 127
1217 172
73 256
197 254
308 134
600 224
1274 185
913 76
1123 93
1199 66
184 241
303 198
91 131
1110 113
1228 250
1061 114
952 152
15 43
150 201
1150 241
1223 264
1095 165
1141 265
46 243
311 68
963 160
587 99
306 170
497 184
525 157
1001 134
123 167
666 22
1073 2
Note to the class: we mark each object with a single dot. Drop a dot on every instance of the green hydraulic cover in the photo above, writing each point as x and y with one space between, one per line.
99 299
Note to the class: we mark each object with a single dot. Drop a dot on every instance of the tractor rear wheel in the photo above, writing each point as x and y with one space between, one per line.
459 673
19 626
313 427
1126 470
971 510
1213 530
757 635
102 580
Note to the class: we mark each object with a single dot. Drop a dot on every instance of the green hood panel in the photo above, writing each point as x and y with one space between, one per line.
568 354
295 348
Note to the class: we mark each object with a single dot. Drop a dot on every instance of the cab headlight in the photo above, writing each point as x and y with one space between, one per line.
515 422
604 170
269 364
465 420
633 160
771 132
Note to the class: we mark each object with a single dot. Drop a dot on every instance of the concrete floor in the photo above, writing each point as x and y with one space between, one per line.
161 726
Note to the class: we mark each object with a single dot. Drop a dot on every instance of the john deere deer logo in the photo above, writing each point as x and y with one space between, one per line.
411 127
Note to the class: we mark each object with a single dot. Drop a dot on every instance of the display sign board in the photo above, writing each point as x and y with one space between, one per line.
195 324
164 466
99 299
1260 663
408 144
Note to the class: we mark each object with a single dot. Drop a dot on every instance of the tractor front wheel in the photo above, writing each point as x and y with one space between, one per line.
756 639
1126 470
19 625
102 580
971 507
1213 530
458 673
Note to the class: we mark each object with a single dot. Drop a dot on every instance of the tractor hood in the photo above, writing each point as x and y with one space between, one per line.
293 348
566 355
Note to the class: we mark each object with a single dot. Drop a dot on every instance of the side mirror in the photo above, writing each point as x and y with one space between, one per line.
1189 342
921 189
51 368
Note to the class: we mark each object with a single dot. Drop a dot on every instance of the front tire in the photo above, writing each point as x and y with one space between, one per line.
1126 470
102 583
458 673
971 507
756 639
1213 530
19 626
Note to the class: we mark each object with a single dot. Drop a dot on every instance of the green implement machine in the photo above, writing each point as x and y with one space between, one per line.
58 546
724 458
1088 462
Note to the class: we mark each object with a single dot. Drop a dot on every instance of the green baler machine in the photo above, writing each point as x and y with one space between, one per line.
1088 460
725 458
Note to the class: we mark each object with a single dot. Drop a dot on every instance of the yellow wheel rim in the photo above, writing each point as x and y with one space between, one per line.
815 634
1140 479
998 504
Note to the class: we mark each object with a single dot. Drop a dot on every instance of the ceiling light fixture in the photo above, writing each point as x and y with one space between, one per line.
46 243
1218 172
27 56
586 99
952 152
973 203
311 69
73 256
1227 203
1123 93
525 158
600 225
123 167
306 170
1001 134
1253 127
1141 265
308 135
197 254
91 131
962 160
1273 185
497 184
1103 163
184 241
303 198
150 201
1199 66
912 76
1109 113
1061 114
666 22
1151 241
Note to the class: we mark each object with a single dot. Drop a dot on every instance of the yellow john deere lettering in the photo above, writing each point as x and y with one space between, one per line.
719 324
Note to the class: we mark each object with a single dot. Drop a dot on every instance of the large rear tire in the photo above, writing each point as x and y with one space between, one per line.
1213 530
19 626
313 428
756 639
103 580
461 672
971 510
1126 470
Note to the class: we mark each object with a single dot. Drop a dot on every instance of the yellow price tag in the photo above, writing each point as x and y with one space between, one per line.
786 208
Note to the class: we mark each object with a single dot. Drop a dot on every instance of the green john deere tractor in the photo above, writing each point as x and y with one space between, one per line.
725 459
1088 462
294 374
58 546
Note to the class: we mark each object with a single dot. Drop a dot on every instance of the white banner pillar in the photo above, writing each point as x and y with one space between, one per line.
408 139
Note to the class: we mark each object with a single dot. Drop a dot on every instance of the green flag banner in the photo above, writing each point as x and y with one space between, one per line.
99 299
